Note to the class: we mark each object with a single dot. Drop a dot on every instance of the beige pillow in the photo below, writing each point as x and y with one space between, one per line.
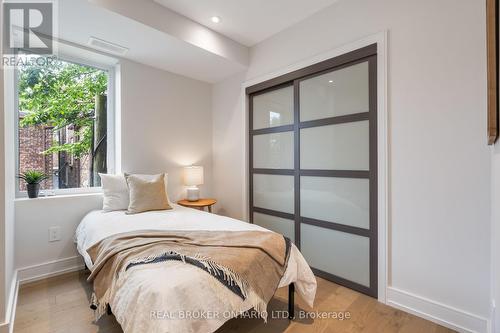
150 177
146 194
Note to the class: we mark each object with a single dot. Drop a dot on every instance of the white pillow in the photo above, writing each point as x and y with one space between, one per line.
115 190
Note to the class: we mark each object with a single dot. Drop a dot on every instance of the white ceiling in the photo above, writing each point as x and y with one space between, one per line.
178 35
247 21
78 20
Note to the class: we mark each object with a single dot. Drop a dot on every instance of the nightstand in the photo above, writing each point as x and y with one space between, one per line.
200 204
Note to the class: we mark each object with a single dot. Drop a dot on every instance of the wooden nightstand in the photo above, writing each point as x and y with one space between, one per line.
200 204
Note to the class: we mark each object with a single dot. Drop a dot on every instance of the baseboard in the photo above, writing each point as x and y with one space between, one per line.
439 313
10 313
14 292
50 269
34 273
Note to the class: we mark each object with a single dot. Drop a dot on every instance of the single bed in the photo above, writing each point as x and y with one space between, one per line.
173 296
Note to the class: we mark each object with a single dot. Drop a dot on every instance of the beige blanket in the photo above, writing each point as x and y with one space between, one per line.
250 262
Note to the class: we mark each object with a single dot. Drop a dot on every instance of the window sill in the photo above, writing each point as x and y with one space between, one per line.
61 196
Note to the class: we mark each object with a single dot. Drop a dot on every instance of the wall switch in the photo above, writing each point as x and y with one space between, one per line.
54 234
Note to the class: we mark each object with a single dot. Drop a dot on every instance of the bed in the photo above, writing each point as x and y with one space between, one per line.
173 296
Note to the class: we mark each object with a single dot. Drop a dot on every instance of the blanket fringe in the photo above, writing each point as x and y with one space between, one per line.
99 305
213 268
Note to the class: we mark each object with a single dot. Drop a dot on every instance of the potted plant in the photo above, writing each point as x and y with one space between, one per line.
33 178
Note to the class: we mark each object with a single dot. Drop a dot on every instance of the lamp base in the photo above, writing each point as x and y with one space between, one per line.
193 194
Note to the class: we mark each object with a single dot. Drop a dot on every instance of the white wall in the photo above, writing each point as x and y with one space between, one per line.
228 143
9 168
7 275
7 272
165 123
3 298
34 217
495 235
439 163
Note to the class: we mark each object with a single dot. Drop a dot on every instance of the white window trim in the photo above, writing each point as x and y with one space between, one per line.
111 129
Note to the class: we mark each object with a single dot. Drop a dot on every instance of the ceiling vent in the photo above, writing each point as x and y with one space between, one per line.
107 46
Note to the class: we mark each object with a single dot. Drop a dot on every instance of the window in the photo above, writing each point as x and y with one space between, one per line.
63 120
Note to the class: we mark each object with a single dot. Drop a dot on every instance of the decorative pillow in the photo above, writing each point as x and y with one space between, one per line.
115 191
146 195
151 177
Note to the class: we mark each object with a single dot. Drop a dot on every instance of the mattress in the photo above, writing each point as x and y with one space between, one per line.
175 297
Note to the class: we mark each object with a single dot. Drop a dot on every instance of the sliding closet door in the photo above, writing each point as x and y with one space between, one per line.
272 160
338 172
313 166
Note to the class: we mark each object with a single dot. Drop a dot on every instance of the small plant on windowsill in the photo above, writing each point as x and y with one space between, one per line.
33 178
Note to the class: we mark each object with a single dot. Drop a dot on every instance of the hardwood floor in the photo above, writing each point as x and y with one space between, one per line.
60 304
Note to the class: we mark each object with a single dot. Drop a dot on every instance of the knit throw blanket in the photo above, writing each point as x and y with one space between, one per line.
249 263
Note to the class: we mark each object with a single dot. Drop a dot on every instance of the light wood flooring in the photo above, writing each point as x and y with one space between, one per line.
61 304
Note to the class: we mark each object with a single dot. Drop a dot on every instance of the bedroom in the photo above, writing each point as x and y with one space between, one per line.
356 128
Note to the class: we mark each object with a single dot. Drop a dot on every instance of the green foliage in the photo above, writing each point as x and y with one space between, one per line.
61 94
33 176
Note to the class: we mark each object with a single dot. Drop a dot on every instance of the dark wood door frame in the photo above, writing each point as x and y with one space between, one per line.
365 54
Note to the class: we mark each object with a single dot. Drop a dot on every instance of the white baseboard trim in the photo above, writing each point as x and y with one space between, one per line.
442 314
439 313
10 313
50 269
14 292
35 273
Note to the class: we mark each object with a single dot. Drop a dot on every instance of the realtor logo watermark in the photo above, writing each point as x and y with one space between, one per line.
275 314
29 26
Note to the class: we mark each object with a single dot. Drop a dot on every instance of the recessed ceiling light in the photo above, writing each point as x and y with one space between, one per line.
331 81
215 19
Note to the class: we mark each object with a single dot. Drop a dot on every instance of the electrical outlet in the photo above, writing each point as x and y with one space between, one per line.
54 234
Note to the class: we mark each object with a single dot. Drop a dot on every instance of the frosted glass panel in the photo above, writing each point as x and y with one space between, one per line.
335 147
337 93
273 151
339 200
274 108
277 224
273 192
339 253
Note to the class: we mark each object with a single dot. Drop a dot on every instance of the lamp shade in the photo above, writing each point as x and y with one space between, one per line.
193 175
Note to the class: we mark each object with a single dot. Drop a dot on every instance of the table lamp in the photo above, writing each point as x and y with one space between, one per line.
193 176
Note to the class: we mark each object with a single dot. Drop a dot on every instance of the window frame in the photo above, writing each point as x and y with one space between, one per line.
111 128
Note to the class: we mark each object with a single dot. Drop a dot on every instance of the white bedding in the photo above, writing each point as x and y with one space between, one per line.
159 297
